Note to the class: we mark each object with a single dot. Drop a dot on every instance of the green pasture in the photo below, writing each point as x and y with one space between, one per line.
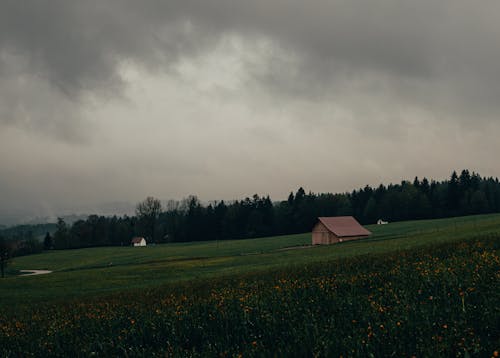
101 270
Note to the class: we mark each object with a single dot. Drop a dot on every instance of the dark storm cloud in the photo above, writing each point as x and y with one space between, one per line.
77 45
56 55
450 47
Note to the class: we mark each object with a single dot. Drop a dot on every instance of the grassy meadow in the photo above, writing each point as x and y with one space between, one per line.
423 288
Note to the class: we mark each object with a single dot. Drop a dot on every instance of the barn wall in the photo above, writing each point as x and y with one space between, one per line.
332 238
322 236
318 232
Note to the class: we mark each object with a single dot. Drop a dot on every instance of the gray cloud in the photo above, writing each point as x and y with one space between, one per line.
188 95
444 55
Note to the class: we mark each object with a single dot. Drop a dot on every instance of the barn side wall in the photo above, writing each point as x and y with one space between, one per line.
322 236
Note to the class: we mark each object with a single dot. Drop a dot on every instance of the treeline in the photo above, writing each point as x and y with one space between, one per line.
190 220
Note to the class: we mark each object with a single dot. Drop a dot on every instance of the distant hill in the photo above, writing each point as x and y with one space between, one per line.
23 232
43 215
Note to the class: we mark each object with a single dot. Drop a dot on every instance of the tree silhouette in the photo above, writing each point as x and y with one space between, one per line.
148 212
48 242
5 252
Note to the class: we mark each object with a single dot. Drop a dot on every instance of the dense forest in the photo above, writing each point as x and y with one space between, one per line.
190 220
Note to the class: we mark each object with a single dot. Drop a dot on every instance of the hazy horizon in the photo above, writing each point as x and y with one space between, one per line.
45 214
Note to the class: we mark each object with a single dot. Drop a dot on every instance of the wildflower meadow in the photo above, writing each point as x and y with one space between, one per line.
437 300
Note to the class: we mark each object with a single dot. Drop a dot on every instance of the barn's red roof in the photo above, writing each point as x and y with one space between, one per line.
343 226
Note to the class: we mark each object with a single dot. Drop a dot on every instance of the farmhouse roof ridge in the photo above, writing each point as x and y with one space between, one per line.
344 226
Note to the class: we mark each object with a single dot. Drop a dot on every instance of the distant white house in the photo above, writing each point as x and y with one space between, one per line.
381 222
138 241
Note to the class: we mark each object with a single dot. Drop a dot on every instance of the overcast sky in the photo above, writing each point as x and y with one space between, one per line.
104 101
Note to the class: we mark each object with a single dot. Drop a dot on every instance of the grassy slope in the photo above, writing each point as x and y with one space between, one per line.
101 270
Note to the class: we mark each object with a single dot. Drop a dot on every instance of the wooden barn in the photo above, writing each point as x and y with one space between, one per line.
331 230
138 241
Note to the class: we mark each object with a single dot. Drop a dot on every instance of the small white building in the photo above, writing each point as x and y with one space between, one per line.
381 222
138 241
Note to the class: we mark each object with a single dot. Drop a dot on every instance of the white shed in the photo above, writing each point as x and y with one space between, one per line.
138 241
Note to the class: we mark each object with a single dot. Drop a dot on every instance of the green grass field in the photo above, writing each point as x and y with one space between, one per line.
103 270
420 288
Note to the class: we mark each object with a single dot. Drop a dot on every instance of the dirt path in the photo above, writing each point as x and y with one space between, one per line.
296 247
34 272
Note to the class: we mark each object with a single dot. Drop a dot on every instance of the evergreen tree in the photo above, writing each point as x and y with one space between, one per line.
453 194
479 203
48 242
424 186
61 236
370 211
5 253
